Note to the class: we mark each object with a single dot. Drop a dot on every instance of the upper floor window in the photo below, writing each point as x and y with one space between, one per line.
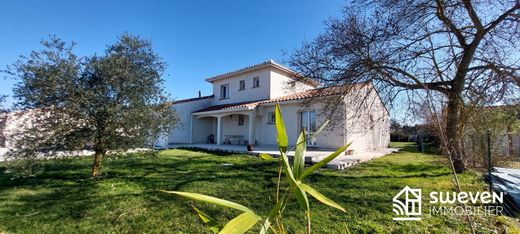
256 82
242 85
224 91
270 118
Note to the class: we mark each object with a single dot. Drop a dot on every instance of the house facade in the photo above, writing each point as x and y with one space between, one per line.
241 111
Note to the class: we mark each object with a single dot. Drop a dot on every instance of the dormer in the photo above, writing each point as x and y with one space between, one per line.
261 81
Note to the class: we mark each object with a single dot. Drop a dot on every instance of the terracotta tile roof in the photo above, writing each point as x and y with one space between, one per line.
236 105
261 65
321 92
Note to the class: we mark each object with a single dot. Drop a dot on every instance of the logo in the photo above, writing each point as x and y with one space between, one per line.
407 204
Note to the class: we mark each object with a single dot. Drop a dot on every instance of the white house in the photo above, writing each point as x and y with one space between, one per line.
240 111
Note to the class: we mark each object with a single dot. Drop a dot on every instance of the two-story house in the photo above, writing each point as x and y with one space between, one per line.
241 111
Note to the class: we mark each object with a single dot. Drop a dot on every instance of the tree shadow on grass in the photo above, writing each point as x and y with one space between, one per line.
413 147
410 149
64 191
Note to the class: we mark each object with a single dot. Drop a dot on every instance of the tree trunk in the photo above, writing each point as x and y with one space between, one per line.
453 134
96 167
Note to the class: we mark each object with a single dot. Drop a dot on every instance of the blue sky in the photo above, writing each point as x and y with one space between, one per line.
196 38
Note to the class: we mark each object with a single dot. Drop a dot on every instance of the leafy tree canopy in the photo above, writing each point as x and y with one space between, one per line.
110 102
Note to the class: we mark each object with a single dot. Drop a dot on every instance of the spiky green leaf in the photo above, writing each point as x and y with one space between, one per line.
298 192
210 200
212 224
320 197
281 134
301 196
324 161
272 215
299 155
265 156
287 168
241 223
321 127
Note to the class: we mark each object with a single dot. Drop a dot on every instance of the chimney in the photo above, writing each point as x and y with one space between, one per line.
200 95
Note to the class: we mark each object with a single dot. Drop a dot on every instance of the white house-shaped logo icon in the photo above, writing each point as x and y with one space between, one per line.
407 204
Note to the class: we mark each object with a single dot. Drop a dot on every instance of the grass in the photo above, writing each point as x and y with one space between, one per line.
64 199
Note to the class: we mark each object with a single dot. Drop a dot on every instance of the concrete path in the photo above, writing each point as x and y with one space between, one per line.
344 161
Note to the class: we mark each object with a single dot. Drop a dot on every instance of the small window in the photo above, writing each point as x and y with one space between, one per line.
256 82
240 120
242 85
224 91
270 118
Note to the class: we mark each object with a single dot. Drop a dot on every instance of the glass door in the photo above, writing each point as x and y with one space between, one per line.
308 122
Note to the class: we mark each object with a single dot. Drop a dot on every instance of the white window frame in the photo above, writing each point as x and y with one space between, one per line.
271 119
242 85
256 82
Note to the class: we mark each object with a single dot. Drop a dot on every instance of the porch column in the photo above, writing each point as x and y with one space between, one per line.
251 136
219 123
191 129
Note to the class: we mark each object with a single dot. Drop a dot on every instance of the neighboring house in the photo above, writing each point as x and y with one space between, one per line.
241 111
11 123
502 122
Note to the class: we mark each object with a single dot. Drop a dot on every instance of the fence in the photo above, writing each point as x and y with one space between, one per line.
505 177
488 150
506 152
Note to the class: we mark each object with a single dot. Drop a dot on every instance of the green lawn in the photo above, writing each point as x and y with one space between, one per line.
65 200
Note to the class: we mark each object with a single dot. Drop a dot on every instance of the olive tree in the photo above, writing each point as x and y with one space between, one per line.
111 102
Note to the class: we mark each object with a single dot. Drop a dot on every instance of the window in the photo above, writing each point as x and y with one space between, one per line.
242 85
308 122
224 91
270 118
240 120
256 82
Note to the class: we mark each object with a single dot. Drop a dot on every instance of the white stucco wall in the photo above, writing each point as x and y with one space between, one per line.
181 132
273 83
367 122
202 128
230 127
249 94
280 84
14 123
331 137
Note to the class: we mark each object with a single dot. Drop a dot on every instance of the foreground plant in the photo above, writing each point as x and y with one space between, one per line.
295 174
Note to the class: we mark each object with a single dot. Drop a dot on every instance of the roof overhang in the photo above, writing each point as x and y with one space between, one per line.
222 112
269 63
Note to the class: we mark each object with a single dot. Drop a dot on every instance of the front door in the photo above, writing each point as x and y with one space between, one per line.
308 122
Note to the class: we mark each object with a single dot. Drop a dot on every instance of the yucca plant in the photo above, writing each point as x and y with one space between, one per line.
295 174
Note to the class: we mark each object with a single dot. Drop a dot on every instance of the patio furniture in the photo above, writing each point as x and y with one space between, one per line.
234 139
211 139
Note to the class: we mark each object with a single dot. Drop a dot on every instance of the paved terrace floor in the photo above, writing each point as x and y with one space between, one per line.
312 155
